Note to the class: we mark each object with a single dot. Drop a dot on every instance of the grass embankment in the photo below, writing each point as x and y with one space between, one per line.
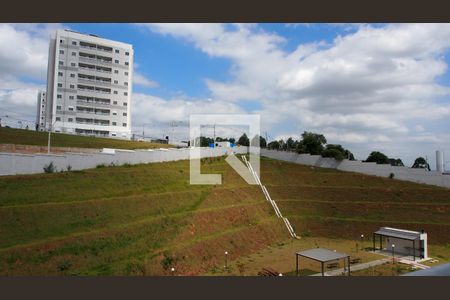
134 220
144 219
331 209
37 138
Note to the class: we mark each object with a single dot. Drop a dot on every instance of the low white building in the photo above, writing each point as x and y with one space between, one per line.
402 242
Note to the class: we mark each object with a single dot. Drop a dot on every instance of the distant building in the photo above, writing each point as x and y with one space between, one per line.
41 109
89 82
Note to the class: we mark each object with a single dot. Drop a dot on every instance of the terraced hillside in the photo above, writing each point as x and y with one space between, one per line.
144 219
330 203
137 220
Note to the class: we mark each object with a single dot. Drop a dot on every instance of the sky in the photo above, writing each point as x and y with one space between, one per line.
368 87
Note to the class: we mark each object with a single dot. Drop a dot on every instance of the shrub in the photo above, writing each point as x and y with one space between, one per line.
333 153
101 166
64 266
167 261
391 176
69 168
50 168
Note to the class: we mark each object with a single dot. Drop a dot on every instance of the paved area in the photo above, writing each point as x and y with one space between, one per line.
355 267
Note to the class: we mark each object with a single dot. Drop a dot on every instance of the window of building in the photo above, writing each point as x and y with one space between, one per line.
124 104
114 113
58 119
72 86
70 108
126 63
124 124
74 54
116 82
115 102
61 63
127 53
61 51
60 73
117 51
59 84
114 123
59 96
70 120
115 92
116 61
124 114
125 93
72 75
71 97
74 43
116 71
58 107
126 83
61 41
73 64
126 73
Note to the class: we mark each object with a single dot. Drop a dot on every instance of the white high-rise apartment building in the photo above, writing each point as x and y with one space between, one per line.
89 82
41 109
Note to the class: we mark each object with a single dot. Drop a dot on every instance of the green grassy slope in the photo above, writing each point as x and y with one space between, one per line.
29 137
138 219
127 220
331 203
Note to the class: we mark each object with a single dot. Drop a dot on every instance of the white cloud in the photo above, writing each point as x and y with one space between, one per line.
141 80
369 87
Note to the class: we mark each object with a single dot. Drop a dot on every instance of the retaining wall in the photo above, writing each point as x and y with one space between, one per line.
401 173
16 163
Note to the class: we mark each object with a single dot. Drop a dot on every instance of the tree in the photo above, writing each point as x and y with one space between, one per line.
205 141
421 162
334 153
338 152
243 140
396 162
232 140
274 145
377 157
290 144
262 142
311 143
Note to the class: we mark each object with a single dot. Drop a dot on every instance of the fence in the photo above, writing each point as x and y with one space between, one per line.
384 170
16 163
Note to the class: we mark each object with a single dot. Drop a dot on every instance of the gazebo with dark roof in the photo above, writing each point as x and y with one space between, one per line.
323 256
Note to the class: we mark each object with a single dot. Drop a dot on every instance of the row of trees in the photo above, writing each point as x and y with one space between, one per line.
314 144
381 158
243 140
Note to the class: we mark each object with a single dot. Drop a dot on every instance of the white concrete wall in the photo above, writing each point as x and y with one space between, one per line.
401 173
15 163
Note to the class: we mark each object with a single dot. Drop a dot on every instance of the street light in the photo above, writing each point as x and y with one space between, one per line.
393 253
362 241
226 260
49 136
173 271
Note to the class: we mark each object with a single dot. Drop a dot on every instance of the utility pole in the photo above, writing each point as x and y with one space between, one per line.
214 134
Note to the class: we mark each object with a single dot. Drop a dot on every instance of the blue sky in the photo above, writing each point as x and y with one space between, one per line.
368 87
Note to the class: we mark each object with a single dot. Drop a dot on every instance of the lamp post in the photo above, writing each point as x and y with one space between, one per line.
362 241
393 253
226 260
173 271
49 136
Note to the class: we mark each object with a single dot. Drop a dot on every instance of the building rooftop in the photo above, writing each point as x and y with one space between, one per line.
322 255
398 233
